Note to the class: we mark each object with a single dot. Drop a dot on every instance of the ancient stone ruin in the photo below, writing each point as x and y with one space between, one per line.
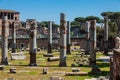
87 37
33 46
106 35
63 31
117 43
5 33
68 37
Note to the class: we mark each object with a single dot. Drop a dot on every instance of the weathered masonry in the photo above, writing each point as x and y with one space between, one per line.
12 16
116 65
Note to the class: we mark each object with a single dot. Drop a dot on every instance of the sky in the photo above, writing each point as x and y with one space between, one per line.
46 10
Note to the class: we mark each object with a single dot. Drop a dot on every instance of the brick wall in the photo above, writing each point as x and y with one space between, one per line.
43 42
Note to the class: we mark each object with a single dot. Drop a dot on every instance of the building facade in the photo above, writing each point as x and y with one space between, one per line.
13 16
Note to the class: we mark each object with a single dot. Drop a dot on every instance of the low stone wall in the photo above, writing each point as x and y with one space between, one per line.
43 42
116 64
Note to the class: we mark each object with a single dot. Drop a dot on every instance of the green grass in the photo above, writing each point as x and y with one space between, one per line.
25 72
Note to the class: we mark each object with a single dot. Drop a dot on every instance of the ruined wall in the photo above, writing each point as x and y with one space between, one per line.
116 64
43 42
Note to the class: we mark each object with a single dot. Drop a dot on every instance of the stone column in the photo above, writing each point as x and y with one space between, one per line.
62 40
14 25
68 37
33 46
4 41
95 69
105 35
93 42
50 38
87 37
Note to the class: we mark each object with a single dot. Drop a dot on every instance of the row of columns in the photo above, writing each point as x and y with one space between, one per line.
5 34
63 32
33 47
63 35
105 45
91 45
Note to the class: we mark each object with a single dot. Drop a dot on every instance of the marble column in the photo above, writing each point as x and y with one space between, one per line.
68 37
62 40
50 38
87 37
14 25
5 26
95 69
105 35
33 45
93 42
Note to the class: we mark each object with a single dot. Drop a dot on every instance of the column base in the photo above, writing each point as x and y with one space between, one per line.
63 64
95 70
92 63
32 64
33 59
4 63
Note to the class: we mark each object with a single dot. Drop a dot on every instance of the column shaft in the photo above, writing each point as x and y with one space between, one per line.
62 40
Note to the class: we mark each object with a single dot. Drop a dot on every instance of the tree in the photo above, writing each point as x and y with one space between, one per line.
75 23
114 26
80 19
55 25
107 13
43 24
116 17
92 18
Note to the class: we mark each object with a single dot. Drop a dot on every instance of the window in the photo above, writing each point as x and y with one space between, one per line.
11 16
8 16
15 18
21 45
0 15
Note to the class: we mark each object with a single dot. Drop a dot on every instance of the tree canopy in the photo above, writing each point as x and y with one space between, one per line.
106 13
75 23
92 18
80 19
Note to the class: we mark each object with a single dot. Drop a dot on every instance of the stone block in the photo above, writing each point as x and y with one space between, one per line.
48 55
45 70
75 70
1 67
12 70
53 59
74 65
76 73
17 56
55 78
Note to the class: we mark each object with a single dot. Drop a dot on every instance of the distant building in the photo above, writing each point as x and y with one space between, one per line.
12 16
22 32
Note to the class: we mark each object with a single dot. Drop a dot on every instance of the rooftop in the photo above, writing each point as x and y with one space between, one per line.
11 11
